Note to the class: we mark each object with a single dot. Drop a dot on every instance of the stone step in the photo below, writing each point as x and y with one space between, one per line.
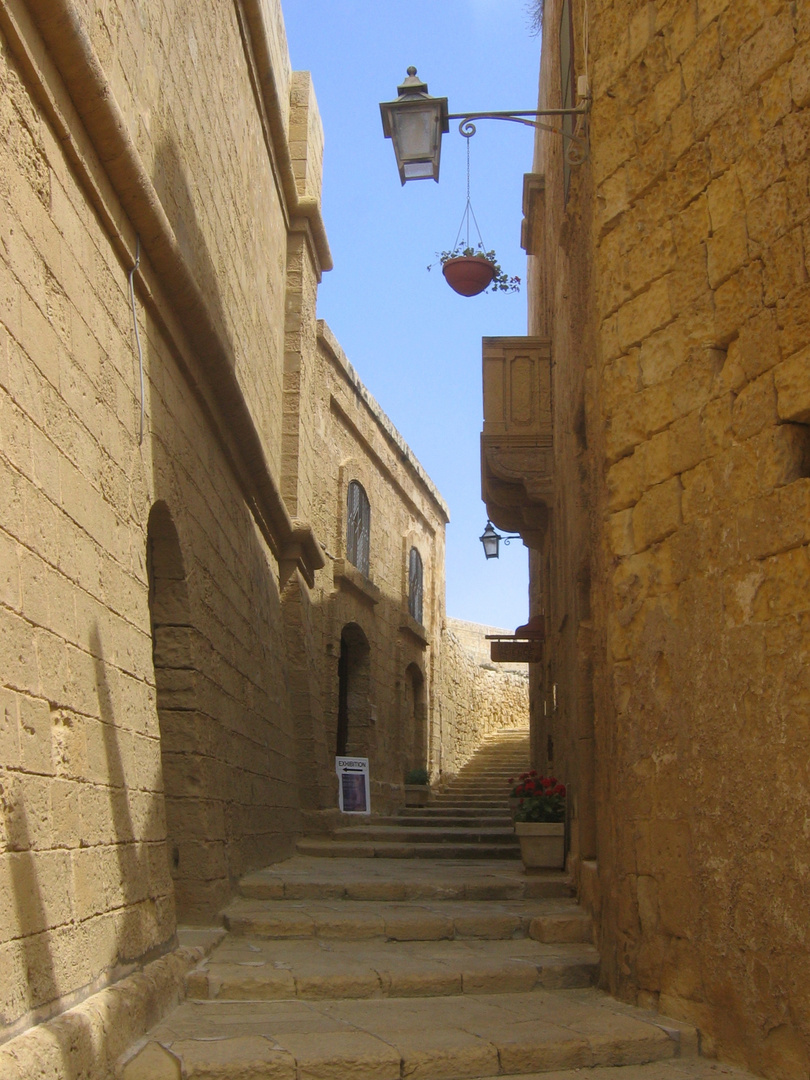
308 878
255 969
473 1035
549 921
498 798
428 820
441 833
382 849
498 779
672 1069
482 791
436 812
499 806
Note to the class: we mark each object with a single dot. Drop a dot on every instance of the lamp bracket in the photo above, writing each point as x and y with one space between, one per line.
577 150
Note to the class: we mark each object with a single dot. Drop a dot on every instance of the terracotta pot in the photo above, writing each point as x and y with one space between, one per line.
469 275
542 844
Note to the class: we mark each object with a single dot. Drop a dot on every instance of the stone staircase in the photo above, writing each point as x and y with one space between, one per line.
407 969
467 819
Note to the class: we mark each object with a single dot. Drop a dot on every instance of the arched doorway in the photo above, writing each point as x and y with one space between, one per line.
416 736
354 712
175 685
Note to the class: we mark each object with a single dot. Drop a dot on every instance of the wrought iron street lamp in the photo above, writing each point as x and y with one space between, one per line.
492 540
415 123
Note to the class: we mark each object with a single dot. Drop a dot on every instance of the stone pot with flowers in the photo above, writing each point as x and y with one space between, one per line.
540 820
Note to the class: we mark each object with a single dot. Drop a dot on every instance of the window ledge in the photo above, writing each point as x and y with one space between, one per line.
409 625
349 577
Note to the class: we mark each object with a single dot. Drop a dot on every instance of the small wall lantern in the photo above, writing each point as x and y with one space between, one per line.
415 123
492 541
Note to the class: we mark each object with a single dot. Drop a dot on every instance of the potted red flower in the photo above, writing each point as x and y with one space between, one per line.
540 820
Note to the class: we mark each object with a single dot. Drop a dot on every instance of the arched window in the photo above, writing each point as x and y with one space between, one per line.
358 527
415 585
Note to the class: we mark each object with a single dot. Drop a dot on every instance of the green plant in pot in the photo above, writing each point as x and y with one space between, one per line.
472 270
417 789
468 268
417 776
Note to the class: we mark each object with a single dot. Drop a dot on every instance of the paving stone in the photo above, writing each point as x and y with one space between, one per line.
443 1037
382 849
307 877
260 969
697 1069
547 920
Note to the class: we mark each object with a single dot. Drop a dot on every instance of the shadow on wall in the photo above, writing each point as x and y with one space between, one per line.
116 871
33 910
226 727
142 891
169 179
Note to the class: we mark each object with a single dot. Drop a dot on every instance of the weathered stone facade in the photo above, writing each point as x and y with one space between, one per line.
672 284
392 711
148 733
183 625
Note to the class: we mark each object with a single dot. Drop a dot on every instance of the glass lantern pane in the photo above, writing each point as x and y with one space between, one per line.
415 132
418 170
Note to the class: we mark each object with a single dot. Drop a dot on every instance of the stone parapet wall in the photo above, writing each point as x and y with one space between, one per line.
478 697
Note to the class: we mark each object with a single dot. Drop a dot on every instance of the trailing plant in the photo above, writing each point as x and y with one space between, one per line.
540 798
417 776
502 282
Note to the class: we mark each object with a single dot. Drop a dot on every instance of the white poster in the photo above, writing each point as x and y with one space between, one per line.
353 789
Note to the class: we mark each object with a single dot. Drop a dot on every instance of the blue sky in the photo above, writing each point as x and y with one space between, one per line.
415 343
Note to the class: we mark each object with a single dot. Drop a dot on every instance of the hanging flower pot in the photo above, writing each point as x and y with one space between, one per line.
469 271
469 275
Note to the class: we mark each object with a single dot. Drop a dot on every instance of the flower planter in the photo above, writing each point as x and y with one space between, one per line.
542 844
416 794
468 275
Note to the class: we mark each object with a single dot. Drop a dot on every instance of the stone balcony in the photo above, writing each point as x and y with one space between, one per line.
517 453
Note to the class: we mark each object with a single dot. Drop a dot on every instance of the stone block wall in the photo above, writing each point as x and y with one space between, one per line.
679 266
478 697
168 631
94 755
349 438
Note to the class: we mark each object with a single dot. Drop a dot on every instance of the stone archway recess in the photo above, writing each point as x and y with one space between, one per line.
354 711
176 689
415 719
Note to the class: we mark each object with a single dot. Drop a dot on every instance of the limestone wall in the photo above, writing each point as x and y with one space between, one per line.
114 783
477 696
350 439
675 289
168 631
